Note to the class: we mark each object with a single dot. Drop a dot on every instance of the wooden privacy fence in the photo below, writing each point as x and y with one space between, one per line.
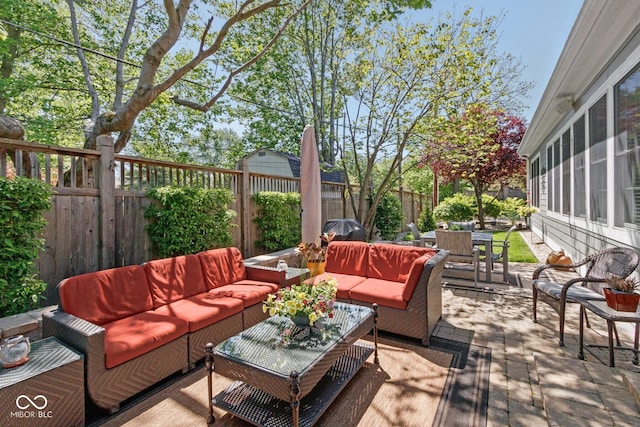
97 220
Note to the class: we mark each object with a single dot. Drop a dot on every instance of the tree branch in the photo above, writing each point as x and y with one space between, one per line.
95 100
204 34
190 104
205 107
117 100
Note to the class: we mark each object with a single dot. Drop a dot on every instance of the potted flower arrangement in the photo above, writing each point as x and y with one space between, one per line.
314 257
303 304
621 295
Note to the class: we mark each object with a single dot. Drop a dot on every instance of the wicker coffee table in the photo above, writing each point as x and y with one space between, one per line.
289 376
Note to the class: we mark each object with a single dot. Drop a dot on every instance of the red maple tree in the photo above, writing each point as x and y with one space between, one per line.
478 146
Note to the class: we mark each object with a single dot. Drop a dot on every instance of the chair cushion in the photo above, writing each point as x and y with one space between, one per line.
347 257
136 335
383 292
576 291
393 262
202 310
222 267
249 291
345 282
107 295
172 279
414 275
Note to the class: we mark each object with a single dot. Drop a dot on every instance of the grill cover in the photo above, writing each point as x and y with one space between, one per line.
345 229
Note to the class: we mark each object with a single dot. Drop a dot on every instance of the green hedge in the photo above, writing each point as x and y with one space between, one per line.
426 222
278 220
189 220
456 208
22 202
389 217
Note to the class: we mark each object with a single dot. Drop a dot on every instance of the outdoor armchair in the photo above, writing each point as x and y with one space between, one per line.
620 262
461 249
413 229
502 256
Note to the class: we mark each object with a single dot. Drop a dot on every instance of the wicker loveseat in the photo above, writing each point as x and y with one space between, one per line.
139 324
405 282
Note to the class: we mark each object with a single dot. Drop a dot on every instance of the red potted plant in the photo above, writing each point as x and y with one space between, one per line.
620 295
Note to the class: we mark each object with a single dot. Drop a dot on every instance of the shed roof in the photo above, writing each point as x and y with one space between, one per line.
327 172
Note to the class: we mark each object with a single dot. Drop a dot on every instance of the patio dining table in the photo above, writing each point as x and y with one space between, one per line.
478 238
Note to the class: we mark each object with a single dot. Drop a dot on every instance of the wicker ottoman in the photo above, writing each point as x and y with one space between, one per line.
48 390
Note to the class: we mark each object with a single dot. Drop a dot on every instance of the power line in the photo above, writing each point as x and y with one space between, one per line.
131 64
68 43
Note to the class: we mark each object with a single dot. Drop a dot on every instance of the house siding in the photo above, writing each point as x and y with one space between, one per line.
559 226
577 241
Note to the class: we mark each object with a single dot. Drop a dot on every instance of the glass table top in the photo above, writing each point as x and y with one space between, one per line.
276 345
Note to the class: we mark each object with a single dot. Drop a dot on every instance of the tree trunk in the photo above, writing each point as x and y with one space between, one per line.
12 129
480 209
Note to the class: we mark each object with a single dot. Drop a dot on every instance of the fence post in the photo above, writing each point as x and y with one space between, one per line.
245 201
107 211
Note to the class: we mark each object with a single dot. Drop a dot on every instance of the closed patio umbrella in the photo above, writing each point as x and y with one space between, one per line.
310 189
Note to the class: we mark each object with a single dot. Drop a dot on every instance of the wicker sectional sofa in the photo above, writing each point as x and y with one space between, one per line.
405 282
139 324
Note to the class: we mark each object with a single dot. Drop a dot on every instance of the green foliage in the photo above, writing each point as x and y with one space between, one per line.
492 206
426 222
22 201
510 207
389 217
278 220
456 208
39 82
188 220
526 211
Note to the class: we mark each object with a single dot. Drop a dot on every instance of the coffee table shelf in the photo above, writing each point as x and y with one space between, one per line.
260 408
288 376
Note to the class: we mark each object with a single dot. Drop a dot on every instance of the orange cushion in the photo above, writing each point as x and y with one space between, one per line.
107 295
347 258
393 262
250 292
202 310
414 275
136 335
222 266
172 279
383 292
345 282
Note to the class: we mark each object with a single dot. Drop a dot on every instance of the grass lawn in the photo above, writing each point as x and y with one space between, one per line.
518 249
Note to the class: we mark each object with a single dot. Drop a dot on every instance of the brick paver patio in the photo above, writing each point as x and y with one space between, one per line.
533 381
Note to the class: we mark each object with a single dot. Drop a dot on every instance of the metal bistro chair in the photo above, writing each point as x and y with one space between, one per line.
619 262
461 249
503 255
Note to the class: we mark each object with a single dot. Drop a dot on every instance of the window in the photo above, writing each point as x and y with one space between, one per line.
579 172
566 172
556 176
598 160
550 178
627 149
535 183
